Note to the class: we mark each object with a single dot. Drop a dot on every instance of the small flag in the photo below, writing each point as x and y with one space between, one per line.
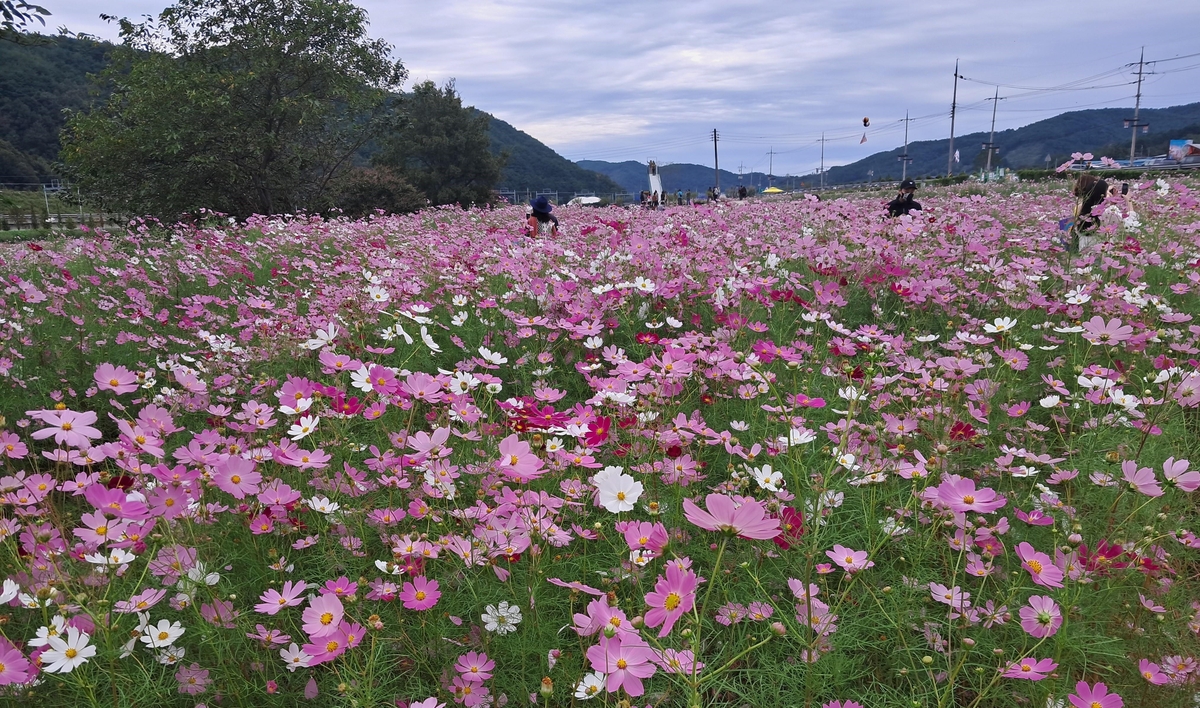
864 139
956 156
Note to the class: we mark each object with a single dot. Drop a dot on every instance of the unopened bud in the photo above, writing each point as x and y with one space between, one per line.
547 688
968 642
927 660
778 629
610 631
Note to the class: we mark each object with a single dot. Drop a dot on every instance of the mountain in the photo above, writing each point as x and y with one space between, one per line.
43 79
634 177
1094 131
532 166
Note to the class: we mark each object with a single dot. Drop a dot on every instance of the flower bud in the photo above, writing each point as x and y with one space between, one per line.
927 660
609 631
778 629
638 622
547 688
1074 539
968 642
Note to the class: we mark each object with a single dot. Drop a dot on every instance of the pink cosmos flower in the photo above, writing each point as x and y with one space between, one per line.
1141 479
68 427
961 496
14 667
272 601
843 704
420 594
1094 696
849 559
626 660
322 616
748 520
140 602
954 597
673 596
11 445
1177 474
237 476
1035 518
1042 570
1041 618
117 379
1030 669
474 667
517 461
1152 672
1097 331
192 679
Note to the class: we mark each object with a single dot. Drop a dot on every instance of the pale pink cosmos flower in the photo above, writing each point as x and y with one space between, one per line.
1097 331
237 476
954 597
1094 696
68 427
849 559
1152 672
322 616
1178 475
1141 479
625 659
1042 617
961 496
748 520
117 379
272 601
14 667
475 667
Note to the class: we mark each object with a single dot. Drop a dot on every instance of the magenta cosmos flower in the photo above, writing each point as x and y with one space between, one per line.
1095 696
1030 669
625 659
117 379
475 667
68 427
672 597
1043 571
272 601
322 616
1041 618
849 559
748 520
420 594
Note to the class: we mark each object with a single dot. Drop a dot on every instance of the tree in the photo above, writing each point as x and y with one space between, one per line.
240 106
443 148
16 15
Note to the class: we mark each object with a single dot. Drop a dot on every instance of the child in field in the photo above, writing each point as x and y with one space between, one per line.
541 222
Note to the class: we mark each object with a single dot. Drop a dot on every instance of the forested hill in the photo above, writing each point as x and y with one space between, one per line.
40 81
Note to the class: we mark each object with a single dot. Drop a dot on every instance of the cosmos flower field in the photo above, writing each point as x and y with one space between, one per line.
789 453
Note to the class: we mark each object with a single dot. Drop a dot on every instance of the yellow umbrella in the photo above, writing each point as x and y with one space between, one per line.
772 190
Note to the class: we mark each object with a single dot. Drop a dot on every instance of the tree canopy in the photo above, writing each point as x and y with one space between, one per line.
443 148
240 106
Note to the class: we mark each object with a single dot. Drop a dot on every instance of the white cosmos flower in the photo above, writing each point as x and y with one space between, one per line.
618 491
65 654
644 284
162 634
674 323
593 342
322 505
199 575
302 405
927 338
295 658
171 655
851 393
1000 324
1050 401
361 379
590 686
116 556
301 430
501 619
378 294
492 357
322 338
739 425
459 318
58 623
1077 297
9 591
768 478
428 340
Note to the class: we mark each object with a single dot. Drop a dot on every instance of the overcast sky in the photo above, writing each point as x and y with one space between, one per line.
623 80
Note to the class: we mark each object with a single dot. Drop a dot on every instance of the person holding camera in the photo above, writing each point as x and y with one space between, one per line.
904 202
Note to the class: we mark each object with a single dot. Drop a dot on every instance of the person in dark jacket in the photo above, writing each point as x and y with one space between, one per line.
904 202
1089 191
540 221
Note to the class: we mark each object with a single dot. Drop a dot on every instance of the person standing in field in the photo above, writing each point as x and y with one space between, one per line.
904 203
541 222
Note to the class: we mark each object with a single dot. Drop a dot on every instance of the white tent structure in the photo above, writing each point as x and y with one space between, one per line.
655 182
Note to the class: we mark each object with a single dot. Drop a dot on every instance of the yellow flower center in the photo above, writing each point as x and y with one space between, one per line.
621 496
327 618
66 426
672 601
968 499
331 645
70 653
162 636
420 595
1035 566
621 663
236 479
113 382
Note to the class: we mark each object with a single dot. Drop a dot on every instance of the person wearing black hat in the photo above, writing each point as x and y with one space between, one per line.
904 203
541 222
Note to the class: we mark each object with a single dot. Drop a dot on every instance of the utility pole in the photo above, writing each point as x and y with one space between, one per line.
771 168
990 145
953 108
1136 107
822 160
904 158
716 165
741 166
